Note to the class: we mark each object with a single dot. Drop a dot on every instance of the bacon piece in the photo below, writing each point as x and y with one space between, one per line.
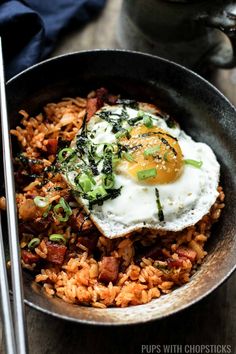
36 168
89 241
34 227
102 93
154 252
80 222
56 252
109 270
111 99
29 257
176 263
52 146
186 252
93 104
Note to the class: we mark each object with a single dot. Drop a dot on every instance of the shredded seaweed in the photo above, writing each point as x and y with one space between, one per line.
159 206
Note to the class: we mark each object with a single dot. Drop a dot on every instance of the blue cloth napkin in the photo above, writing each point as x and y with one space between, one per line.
31 28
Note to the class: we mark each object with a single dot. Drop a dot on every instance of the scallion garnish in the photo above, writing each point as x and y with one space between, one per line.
151 151
64 153
41 202
159 206
57 238
123 133
144 174
194 163
127 156
147 121
84 182
108 148
98 192
115 161
45 214
66 208
108 181
33 243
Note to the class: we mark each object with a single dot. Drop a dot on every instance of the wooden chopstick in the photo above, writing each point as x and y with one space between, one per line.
17 287
5 301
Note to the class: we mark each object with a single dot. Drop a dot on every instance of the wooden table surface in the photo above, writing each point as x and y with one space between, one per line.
211 321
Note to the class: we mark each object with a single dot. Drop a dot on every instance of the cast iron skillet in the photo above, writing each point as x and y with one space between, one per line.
200 109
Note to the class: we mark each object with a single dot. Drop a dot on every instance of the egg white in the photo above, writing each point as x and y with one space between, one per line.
184 201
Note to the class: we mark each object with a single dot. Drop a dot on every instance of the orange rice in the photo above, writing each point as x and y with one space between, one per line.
77 280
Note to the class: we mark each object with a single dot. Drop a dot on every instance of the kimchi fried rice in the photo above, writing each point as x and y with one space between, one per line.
61 245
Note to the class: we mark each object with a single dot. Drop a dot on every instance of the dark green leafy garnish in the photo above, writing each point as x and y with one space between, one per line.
128 103
159 206
170 121
108 181
101 196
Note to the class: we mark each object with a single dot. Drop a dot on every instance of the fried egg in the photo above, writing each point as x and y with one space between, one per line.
130 169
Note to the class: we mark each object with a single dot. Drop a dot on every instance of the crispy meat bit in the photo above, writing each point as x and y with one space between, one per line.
29 257
93 104
52 146
34 227
186 252
80 222
154 252
29 211
109 270
56 252
89 241
176 263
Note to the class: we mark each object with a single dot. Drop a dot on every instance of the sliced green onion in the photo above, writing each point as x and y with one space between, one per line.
123 133
144 174
115 161
33 243
127 156
152 151
97 192
57 238
41 202
194 163
140 113
66 208
85 182
159 206
108 148
108 181
64 153
45 214
147 121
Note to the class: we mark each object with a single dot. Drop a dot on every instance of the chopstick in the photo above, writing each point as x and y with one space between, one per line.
5 300
17 287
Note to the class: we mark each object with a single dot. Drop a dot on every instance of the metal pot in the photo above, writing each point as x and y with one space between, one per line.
190 32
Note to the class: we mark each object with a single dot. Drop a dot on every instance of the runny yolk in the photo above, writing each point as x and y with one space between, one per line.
149 149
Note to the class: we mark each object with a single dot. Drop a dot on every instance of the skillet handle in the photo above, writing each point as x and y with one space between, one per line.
225 21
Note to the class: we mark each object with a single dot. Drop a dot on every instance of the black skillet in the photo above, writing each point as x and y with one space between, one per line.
201 110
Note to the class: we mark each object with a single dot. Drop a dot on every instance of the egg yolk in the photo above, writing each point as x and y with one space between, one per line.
153 156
